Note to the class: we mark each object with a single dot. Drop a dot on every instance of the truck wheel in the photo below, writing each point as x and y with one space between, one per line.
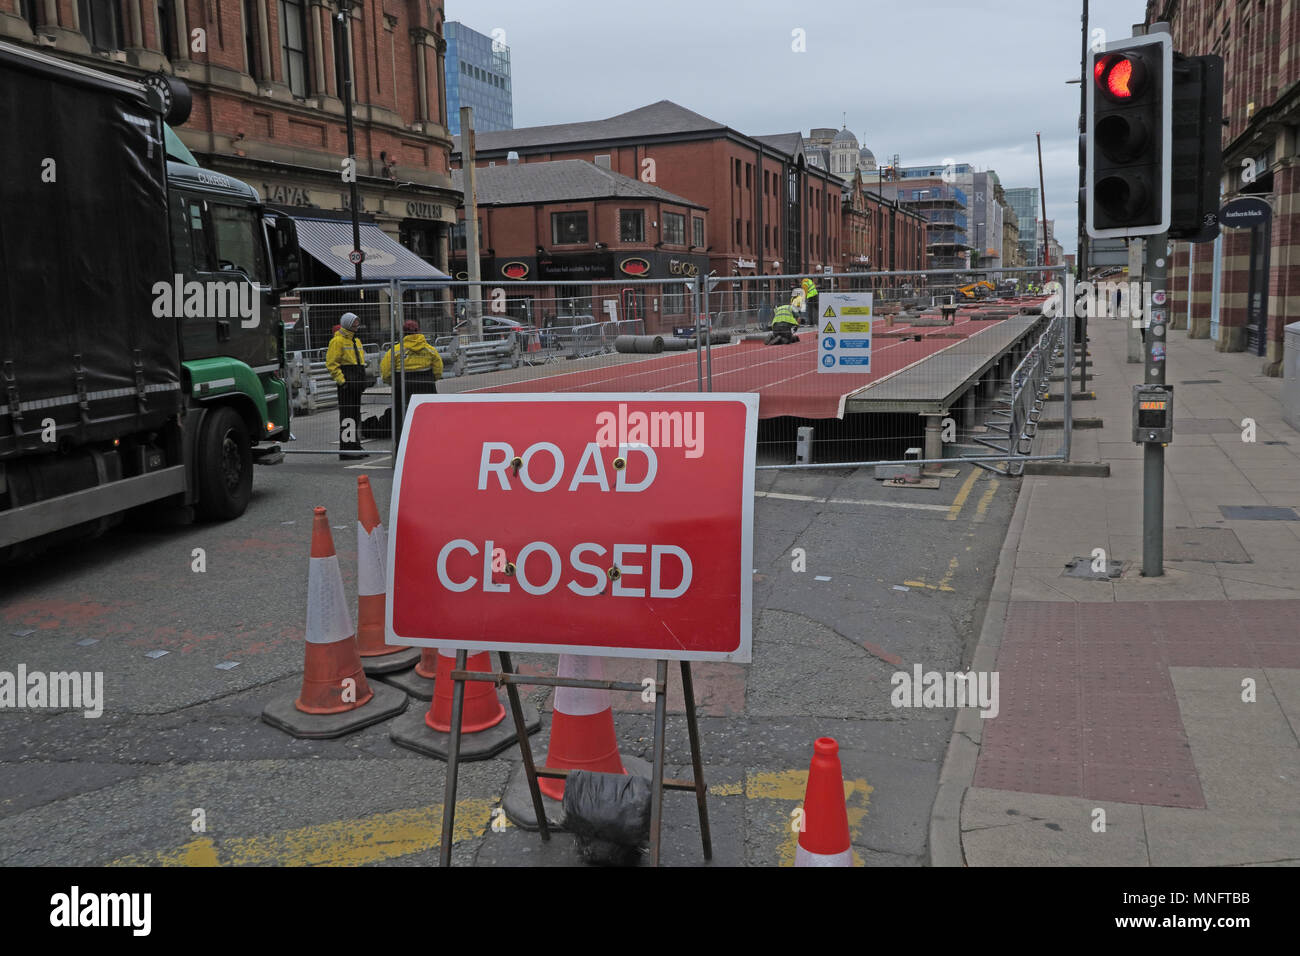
225 466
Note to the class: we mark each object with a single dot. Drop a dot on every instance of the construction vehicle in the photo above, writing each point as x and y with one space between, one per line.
977 290
141 352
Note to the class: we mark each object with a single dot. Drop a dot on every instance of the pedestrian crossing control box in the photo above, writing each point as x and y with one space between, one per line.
1153 414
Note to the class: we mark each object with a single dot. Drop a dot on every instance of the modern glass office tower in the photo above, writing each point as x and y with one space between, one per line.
478 75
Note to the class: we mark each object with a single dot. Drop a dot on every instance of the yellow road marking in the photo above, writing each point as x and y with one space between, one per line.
397 833
789 787
946 580
352 842
941 586
962 493
981 509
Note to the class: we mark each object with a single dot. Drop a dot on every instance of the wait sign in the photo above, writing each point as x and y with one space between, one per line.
619 525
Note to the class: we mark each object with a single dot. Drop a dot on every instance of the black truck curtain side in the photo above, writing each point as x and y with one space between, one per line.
83 240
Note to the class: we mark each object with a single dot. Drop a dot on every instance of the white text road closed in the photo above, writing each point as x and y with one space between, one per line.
617 525
844 332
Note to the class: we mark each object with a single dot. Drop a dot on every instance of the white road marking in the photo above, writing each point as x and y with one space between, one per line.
847 501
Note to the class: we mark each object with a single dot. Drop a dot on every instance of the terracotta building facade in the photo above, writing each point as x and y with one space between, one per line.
1257 287
266 81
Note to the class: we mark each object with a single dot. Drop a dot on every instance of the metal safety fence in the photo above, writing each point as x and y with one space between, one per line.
949 365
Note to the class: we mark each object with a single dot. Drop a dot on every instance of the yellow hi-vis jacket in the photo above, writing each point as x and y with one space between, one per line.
345 349
420 357
809 289
783 314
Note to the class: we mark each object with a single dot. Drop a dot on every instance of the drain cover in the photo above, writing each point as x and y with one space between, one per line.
1258 513
1201 381
1277 442
1082 568
1205 544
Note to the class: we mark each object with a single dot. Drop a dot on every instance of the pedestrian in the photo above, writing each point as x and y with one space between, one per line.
423 367
784 325
810 301
346 361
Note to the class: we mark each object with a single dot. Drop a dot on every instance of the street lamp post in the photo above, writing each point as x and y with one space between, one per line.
344 20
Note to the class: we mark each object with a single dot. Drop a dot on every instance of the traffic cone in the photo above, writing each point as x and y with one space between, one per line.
418 681
824 839
481 709
484 730
582 738
582 726
372 551
335 698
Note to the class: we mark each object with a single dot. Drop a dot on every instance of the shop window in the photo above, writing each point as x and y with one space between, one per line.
674 233
28 10
674 303
631 225
568 228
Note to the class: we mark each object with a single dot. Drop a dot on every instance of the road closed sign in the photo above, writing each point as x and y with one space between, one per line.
618 525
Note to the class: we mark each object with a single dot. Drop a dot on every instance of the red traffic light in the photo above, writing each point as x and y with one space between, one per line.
1120 78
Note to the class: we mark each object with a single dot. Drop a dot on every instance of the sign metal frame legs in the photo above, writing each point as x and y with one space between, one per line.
509 677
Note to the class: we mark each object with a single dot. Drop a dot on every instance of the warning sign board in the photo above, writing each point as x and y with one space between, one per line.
829 313
847 349
607 524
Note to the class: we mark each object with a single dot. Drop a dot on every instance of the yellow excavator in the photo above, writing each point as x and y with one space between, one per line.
978 290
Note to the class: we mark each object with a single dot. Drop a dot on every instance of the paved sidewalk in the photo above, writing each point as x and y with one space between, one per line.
1132 695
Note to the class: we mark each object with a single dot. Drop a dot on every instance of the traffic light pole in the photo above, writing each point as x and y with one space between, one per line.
1153 460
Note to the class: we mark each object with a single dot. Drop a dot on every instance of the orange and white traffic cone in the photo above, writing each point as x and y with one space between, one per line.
582 738
335 698
484 730
418 681
372 551
582 726
824 840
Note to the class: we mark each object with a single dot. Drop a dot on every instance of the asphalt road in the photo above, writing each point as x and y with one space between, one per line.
887 585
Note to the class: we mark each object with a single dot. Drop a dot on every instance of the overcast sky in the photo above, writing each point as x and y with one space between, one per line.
926 79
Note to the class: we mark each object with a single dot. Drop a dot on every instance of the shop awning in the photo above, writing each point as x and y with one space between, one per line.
329 241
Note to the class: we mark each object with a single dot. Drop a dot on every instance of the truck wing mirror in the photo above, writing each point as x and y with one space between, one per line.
285 253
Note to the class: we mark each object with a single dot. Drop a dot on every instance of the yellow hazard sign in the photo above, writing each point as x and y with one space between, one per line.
829 328
855 326
829 313
857 310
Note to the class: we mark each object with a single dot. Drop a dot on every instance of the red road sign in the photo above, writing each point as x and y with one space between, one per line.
625 529
356 257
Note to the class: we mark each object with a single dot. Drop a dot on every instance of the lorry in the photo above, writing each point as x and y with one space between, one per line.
141 354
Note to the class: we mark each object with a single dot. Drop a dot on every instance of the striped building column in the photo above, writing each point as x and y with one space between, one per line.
1202 285
1177 282
1284 262
1234 289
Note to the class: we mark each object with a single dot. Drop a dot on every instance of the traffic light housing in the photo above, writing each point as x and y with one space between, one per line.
1128 128
1197 158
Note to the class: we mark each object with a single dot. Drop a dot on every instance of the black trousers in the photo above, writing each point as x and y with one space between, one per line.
349 395
782 334
417 383
811 315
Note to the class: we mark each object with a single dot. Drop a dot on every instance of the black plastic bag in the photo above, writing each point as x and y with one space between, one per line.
609 814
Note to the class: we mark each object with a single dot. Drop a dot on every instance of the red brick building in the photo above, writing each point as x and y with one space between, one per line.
266 84
1258 285
583 231
770 211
